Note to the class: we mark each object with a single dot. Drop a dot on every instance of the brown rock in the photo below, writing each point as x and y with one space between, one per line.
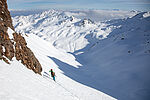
23 53
1 52
5 60
16 47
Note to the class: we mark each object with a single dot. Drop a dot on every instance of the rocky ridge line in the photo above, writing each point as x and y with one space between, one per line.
16 46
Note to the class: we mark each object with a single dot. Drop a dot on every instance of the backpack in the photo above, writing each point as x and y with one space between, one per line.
53 74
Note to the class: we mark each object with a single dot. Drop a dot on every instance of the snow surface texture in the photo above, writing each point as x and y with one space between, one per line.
17 82
110 56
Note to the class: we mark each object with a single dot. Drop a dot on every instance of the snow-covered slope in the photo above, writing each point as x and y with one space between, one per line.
65 32
17 82
120 63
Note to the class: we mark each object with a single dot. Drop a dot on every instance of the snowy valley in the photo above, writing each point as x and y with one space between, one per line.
96 55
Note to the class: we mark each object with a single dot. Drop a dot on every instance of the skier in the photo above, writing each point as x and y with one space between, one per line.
52 74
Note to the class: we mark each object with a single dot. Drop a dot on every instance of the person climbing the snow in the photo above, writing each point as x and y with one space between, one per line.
52 74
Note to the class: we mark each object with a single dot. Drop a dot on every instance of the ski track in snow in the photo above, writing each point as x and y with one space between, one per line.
28 86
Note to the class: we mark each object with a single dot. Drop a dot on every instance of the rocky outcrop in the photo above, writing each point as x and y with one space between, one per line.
23 53
16 46
6 45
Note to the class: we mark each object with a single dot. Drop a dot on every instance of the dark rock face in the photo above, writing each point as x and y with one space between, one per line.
6 45
5 14
16 47
23 53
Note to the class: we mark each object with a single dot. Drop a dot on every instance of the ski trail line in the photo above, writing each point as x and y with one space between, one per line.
68 91
49 77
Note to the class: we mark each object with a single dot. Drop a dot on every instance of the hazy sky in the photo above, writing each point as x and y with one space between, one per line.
80 4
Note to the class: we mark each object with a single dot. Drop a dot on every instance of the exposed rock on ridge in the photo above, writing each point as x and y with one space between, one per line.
17 46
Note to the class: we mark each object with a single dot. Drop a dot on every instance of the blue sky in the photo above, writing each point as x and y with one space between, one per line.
80 4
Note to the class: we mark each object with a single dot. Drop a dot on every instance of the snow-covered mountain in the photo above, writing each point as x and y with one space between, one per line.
87 55
63 29
120 63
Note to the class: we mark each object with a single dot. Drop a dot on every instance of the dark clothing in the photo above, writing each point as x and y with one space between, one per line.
52 74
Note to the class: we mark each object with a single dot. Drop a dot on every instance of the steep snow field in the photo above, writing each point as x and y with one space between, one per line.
17 82
89 52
